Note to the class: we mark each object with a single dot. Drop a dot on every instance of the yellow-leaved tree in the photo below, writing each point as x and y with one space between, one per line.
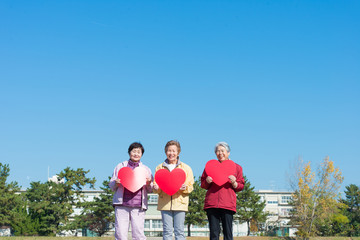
315 196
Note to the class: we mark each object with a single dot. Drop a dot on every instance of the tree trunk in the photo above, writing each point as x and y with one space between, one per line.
189 232
248 224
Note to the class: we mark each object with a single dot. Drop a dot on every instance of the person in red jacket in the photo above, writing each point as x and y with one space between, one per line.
220 201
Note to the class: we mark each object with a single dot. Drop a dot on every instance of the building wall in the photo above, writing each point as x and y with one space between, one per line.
278 206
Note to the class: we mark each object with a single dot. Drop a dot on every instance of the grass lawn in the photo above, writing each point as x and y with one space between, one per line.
188 238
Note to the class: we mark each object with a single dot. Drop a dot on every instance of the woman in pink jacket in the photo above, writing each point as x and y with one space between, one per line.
130 206
220 201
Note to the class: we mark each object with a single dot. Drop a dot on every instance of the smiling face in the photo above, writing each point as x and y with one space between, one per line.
222 154
135 154
172 154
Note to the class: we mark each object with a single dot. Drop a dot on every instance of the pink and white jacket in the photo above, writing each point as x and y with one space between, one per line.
119 190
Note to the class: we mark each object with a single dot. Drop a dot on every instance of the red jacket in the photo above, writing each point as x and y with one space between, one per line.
222 196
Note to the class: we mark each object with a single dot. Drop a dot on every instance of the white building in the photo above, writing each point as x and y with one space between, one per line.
277 205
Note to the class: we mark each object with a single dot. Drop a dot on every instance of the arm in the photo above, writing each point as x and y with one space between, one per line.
239 179
189 182
156 188
204 183
112 183
149 184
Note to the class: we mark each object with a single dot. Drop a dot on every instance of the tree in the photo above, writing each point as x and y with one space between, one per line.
250 208
71 190
196 214
352 209
335 225
24 225
51 203
9 199
315 196
98 214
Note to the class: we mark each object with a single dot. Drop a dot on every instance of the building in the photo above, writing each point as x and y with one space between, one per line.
277 205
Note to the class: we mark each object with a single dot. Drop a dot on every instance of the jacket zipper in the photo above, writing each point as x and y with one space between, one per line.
170 203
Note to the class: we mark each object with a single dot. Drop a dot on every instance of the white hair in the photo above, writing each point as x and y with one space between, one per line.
222 144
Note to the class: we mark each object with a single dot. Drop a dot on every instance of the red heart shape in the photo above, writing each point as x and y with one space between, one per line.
170 182
220 172
132 180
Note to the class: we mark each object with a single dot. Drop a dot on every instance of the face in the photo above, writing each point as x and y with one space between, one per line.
222 154
135 154
172 154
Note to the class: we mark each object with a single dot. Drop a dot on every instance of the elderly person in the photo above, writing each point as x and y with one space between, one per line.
130 206
220 201
173 207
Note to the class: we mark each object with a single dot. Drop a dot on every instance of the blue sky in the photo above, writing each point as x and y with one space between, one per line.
81 80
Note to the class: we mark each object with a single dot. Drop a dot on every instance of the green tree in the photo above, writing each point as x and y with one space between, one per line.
336 225
47 207
97 215
250 208
196 214
24 225
315 197
51 203
9 199
352 209
71 191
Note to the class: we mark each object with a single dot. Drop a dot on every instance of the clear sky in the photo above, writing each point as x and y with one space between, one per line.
277 80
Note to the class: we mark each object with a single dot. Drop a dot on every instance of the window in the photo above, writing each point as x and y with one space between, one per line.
286 199
272 202
156 224
285 212
153 198
147 223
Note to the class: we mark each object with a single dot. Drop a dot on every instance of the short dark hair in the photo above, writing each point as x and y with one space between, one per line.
136 145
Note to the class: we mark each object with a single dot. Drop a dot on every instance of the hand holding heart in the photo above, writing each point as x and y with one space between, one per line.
220 173
170 182
133 180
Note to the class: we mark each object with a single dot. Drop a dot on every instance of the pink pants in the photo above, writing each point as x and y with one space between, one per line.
125 215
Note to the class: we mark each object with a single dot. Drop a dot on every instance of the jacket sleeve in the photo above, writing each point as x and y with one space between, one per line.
159 191
189 182
149 188
204 183
112 183
239 178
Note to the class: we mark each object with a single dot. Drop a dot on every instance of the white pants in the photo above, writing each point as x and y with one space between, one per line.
125 215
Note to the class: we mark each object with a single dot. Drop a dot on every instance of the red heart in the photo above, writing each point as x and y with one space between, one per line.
170 182
220 172
132 180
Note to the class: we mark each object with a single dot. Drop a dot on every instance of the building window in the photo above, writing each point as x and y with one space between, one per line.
272 202
285 212
156 224
153 198
286 199
147 223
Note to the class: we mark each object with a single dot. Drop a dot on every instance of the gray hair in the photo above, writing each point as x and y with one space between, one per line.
222 144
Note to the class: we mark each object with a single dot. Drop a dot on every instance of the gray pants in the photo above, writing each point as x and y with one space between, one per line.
173 221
